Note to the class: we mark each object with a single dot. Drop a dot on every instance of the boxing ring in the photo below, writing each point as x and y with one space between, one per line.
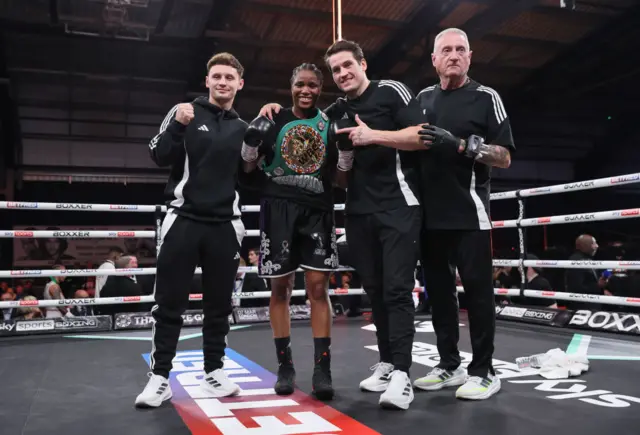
77 374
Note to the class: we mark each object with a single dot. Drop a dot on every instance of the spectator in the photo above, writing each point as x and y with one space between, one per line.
535 281
117 286
114 253
82 310
4 286
8 313
53 291
20 293
584 281
28 313
89 286
253 283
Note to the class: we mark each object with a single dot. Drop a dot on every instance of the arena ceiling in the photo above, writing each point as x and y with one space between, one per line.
87 82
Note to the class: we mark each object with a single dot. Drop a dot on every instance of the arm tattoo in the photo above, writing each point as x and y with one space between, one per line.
494 155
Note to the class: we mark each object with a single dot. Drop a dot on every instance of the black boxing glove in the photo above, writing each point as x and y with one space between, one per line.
433 136
254 136
341 140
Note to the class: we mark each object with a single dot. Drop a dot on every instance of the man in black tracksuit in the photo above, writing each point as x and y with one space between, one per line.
468 133
201 142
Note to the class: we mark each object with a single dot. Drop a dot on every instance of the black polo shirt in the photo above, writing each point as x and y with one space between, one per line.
454 188
383 178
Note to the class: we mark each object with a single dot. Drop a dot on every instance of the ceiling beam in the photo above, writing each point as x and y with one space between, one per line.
165 14
424 20
218 19
323 16
560 72
476 28
524 42
490 19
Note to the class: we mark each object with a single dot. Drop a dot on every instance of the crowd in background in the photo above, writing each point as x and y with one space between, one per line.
625 283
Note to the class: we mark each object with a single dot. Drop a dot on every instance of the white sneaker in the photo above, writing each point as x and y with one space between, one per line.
399 393
438 379
157 391
217 384
477 388
379 380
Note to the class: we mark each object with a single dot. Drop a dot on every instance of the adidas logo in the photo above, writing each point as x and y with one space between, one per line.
237 257
203 128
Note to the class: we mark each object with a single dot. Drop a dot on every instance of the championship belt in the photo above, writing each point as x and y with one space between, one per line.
299 153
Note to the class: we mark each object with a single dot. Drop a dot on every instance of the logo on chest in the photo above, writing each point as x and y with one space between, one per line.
303 149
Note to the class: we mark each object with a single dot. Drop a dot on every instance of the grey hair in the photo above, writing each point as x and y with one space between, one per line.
451 30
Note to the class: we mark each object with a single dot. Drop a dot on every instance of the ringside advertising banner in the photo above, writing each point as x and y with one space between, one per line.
60 324
145 320
261 314
538 315
609 321
69 250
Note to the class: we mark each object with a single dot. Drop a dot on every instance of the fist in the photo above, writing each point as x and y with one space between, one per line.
184 114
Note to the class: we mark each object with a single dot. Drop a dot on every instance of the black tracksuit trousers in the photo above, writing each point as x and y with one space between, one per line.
384 248
470 252
187 244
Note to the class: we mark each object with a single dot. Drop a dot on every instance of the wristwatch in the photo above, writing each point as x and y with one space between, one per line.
472 150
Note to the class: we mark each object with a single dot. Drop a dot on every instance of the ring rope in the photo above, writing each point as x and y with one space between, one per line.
569 187
519 223
609 300
514 223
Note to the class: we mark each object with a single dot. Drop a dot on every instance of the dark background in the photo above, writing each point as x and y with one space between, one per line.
84 85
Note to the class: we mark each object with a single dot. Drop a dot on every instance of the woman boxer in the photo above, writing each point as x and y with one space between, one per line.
297 157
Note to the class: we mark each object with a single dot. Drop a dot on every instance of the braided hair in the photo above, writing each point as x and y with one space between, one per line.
307 67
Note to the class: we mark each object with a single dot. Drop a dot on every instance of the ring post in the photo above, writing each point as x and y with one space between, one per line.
522 247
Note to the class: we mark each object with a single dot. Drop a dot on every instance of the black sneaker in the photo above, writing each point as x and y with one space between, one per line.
321 380
286 380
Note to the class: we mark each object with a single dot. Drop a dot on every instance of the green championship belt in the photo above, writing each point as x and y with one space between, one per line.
299 153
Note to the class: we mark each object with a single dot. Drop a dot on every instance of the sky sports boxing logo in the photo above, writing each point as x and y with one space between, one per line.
626 213
625 179
257 409
25 205
122 207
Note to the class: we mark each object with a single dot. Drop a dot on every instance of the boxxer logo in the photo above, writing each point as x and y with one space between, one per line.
607 321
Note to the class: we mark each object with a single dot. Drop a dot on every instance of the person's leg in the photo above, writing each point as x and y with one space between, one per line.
220 246
400 233
278 262
177 260
366 256
476 274
319 257
438 252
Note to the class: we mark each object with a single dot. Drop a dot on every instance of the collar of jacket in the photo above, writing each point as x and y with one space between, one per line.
216 110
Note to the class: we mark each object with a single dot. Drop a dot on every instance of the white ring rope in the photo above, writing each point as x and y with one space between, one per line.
558 264
73 206
619 180
531 222
570 218
519 194
609 300
569 187
147 299
87 234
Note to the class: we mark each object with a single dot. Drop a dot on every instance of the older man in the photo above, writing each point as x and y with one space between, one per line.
468 133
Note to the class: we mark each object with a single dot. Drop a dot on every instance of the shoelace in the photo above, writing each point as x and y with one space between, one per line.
437 371
476 379
375 367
